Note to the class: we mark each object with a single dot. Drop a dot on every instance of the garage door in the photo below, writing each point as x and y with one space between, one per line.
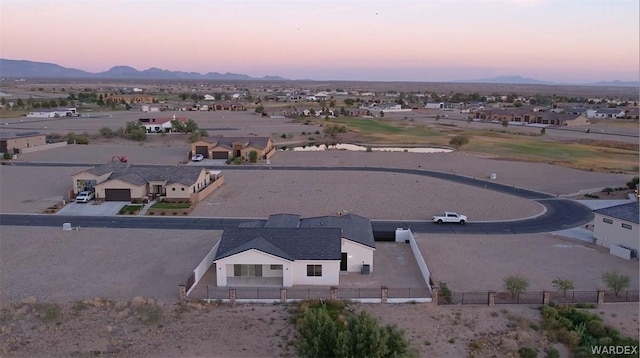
220 155
117 194
202 149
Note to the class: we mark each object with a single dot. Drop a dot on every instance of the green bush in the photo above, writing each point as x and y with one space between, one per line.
459 141
551 353
237 160
527 352
7 156
253 156
445 293
633 183
329 331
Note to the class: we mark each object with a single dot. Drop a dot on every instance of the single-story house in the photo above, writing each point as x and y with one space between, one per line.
603 113
616 228
229 106
124 182
287 251
129 98
220 147
160 125
13 143
54 113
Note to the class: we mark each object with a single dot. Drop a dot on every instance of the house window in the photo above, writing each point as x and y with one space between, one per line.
608 221
276 267
247 270
627 226
182 189
173 189
314 270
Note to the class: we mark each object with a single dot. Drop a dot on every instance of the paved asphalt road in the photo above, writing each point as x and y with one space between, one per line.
560 213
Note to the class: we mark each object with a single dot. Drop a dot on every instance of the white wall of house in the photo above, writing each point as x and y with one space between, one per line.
253 257
330 273
357 255
613 233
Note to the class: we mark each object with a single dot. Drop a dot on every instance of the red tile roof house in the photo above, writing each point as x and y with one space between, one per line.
160 125
123 182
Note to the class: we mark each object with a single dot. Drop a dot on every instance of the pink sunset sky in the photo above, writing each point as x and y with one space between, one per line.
576 41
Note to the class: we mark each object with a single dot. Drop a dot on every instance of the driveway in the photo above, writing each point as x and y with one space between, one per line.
107 208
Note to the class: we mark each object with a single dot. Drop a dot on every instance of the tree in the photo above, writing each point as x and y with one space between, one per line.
631 184
260 109
515 284
562 284
459 141
3 101
191 126
349 102
253 156
615 281
543 131
183 96
135 131
20 103
178 126
505 123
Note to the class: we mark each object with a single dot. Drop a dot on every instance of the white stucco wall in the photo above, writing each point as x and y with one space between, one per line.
253 257
614 234
357 255
330 273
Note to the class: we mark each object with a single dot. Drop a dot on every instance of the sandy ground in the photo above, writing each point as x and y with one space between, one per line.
143 328
473 263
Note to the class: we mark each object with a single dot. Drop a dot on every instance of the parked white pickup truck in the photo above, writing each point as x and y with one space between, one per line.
450 217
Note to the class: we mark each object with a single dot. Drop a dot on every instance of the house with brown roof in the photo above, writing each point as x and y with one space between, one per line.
531 117
231 147
229 106
124 182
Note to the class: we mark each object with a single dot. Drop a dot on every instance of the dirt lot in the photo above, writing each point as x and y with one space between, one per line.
473 263
142 328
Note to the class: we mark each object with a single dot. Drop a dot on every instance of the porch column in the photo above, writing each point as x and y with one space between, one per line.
545 297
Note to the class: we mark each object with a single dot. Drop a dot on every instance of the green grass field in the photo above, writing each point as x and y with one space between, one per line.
600 156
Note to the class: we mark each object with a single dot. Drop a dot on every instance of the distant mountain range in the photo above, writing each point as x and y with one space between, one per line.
31 69
533 81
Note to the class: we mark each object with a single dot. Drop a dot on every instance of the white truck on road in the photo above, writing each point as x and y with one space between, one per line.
450 217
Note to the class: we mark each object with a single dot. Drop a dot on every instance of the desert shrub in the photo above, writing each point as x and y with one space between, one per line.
459 141
515 284
631 184
445 293
551 353
237 160
48 312
607 190
107 132
194 137
615 281
82 140
7 156
369 149
135 131
284 136
329 331
527 352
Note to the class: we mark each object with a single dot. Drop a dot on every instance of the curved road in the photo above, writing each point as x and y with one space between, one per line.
560 213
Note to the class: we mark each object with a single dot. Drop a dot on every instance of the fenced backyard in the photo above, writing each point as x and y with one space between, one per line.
535 298
282 294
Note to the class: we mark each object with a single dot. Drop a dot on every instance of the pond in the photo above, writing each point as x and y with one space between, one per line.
360 148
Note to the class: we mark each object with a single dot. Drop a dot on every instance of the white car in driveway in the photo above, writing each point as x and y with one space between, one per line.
197 158
85 197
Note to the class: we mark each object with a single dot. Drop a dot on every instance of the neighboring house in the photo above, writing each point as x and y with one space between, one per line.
616 228
122 182
531 117
231 147
54 113
444 106
606 113
287 251
13 143
160 125
208 97
129 98
229 106
633 113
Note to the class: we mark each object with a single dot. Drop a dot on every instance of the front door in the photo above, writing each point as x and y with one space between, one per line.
343 262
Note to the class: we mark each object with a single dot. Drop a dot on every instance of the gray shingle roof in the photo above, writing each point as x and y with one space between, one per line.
627 212
283 221
7 135
354 227
140 175
288 243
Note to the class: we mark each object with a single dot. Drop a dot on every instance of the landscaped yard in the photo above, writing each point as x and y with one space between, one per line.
170 205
